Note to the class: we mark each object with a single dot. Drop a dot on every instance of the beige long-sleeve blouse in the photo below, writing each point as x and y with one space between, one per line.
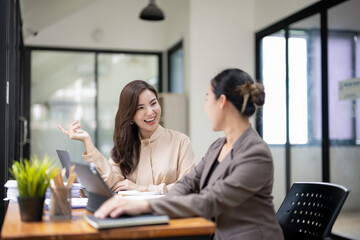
164 158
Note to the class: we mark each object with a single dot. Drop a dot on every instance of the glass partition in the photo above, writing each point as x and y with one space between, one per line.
274 111
344 102
274 80
176 69
62 91
305 100
321 83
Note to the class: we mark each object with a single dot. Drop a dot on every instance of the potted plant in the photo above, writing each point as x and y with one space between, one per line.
33 178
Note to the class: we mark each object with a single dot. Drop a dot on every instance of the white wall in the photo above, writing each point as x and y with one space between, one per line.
268 12
176 21
221 36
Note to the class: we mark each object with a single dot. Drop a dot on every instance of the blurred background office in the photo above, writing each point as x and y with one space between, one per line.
68 60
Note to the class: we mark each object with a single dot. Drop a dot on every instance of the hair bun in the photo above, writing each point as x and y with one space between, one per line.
240 89
257 94
245 89
255 91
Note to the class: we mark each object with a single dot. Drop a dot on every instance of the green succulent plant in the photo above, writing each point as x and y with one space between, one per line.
33 176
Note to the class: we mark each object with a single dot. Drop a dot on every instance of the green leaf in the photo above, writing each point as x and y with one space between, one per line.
33 176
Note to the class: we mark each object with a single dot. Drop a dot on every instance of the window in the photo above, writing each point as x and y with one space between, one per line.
176 69
274 114
343 114
273 75
305 88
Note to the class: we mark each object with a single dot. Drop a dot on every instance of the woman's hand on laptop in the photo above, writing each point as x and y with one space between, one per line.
128 185
117 206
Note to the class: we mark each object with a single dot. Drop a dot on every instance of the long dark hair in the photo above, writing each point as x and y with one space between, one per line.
240 89
126 150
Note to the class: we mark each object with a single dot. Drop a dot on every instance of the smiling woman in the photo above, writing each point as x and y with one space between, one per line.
148 113
145 156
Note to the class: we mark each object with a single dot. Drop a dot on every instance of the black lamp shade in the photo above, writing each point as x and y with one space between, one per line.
152 13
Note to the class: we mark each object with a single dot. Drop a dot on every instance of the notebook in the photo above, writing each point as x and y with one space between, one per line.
126 221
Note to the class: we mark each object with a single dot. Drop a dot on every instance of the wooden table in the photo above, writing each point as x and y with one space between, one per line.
78 228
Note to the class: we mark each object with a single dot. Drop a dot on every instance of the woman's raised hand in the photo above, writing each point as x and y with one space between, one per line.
75 132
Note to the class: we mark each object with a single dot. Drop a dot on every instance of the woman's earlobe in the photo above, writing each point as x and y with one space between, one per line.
222 99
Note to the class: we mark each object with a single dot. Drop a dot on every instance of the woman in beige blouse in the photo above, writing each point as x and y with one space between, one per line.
145 156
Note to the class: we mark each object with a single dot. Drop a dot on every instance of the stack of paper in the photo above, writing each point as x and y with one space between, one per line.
12 192
137 195
75 191
76 200
75 203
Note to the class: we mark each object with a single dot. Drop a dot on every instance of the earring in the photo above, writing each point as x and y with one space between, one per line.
131 122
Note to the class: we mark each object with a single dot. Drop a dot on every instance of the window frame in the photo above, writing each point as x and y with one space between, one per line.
312 141
171 51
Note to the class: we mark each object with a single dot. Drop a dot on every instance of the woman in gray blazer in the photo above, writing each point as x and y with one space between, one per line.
232 185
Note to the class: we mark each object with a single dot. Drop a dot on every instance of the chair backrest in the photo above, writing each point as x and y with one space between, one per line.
310 209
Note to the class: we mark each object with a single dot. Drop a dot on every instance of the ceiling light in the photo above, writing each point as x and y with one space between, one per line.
152 13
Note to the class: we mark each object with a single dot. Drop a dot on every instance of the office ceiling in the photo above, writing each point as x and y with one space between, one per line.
39 14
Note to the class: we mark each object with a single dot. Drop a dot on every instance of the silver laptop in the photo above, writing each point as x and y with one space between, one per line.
98 191
65 160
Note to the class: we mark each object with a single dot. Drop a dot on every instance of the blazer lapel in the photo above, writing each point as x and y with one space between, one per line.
212 156
220 169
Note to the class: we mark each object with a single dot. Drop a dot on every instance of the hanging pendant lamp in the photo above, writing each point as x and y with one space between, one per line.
152 13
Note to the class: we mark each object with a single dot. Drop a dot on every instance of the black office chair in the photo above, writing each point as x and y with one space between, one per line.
310 209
